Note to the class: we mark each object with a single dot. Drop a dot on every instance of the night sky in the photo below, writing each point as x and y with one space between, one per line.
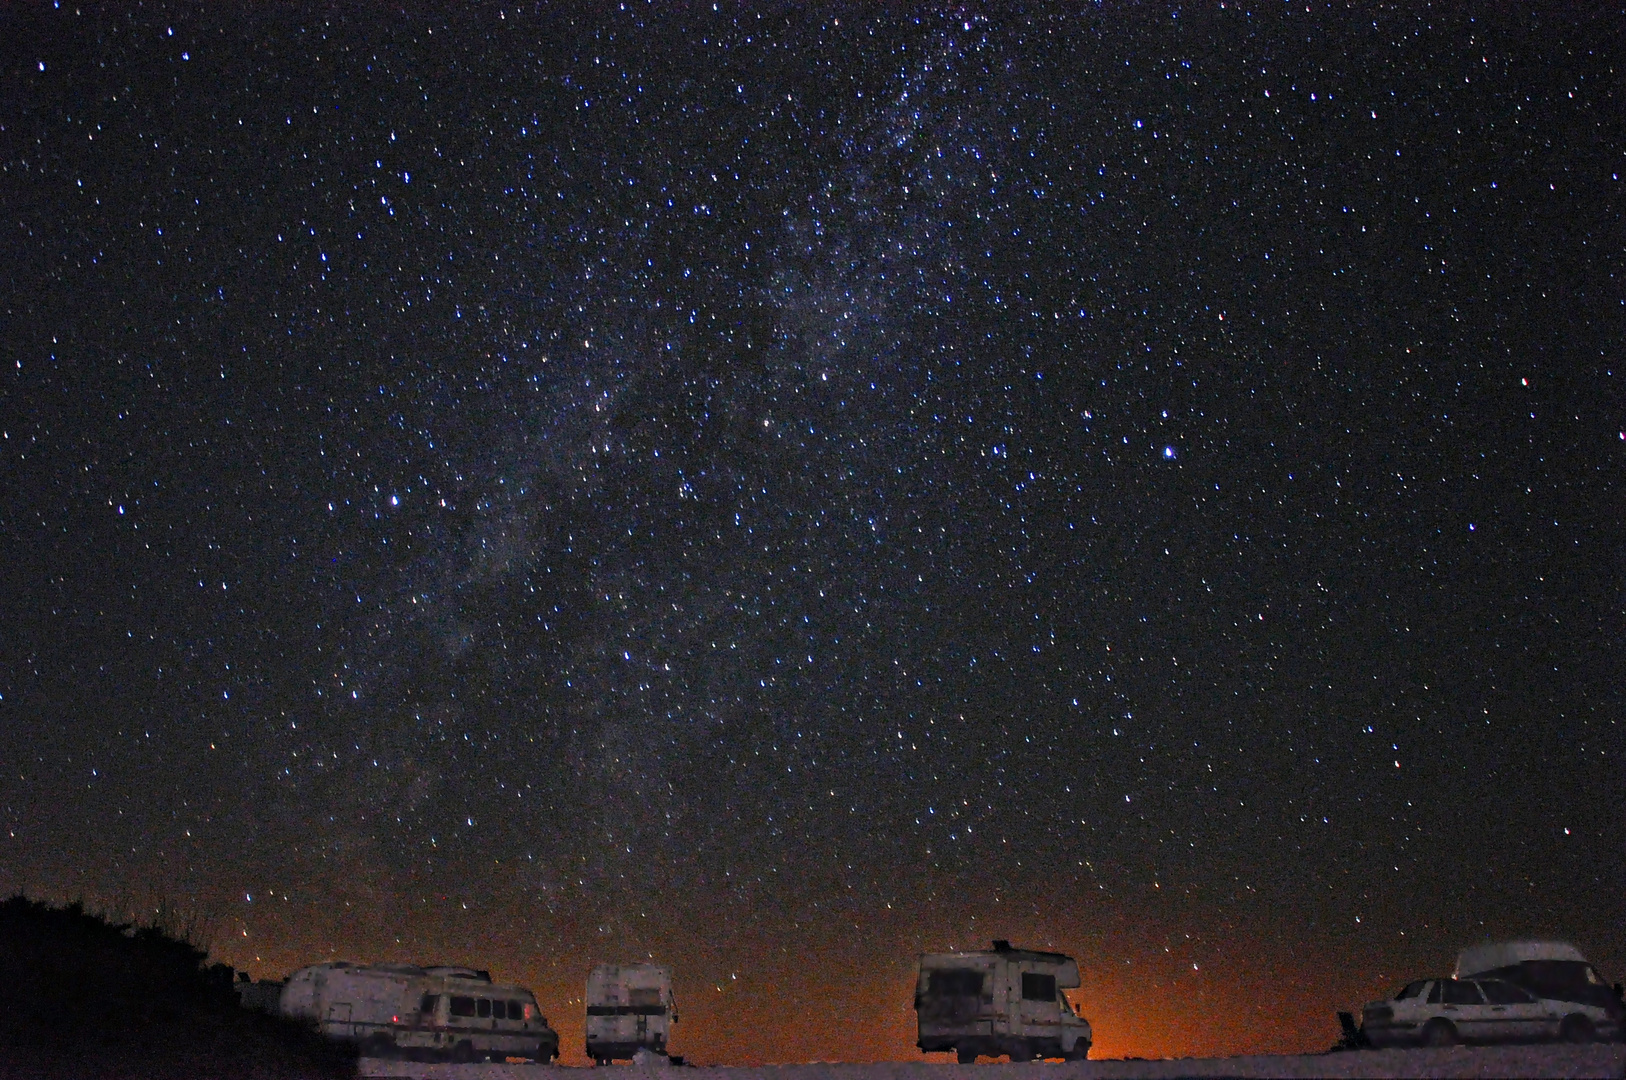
779 489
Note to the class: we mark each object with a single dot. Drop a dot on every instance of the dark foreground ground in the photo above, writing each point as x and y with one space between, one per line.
1460 1061
82 996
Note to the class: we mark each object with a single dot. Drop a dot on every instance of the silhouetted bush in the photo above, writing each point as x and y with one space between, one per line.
84 997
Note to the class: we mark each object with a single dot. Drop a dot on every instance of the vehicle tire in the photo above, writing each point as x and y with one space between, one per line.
1439 1033
1022 1053
965 1055
1081 1051
463 1053
1577 1029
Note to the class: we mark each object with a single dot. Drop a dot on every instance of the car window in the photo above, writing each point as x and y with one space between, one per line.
485 1007
1411 990
1434 993
462 1006
516 1011
1460 992
427 1005
1498 992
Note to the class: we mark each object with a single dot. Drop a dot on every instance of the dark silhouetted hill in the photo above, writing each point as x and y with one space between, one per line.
84 997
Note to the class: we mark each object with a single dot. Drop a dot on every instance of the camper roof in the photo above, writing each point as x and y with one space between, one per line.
1001 949
1476 959
456 971
1068 977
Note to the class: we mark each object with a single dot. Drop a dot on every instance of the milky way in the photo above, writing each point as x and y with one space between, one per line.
784 490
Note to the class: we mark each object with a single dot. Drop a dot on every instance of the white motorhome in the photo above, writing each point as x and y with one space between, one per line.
1002 1002
629 1008
434 1013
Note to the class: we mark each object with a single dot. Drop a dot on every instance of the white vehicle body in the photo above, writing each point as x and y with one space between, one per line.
1002 1002
401 1010
630 1008
1442 1012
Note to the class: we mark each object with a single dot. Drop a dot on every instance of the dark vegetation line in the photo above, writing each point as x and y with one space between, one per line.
83 996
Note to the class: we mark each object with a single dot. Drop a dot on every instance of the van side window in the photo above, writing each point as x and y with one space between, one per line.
1037 987
427 1005
516 1010
485 1007
462 1006
954 982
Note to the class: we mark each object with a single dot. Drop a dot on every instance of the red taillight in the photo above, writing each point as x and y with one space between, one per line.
530 1011
395 1019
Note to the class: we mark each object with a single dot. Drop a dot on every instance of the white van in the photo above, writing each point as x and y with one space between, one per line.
629 1008
435 1013
1002 1002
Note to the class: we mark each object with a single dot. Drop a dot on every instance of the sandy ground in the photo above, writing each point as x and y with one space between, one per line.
1458 1061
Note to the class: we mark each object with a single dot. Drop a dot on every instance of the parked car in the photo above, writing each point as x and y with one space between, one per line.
1554 970
1442 1012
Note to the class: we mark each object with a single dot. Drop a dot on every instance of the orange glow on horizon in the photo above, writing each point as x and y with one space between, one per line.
754 1007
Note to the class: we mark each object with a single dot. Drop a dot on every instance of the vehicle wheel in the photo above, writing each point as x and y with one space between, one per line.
377 1046
1439 1033
463 1053
1081 1051
1022 1053
1577 1029
965 1055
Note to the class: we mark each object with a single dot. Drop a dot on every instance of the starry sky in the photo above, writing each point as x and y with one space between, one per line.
780 488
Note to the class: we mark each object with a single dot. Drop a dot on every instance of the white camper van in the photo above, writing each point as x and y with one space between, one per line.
435 1013
629 1008
1005 1001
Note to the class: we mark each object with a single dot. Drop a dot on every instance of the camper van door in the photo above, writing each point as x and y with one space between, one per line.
1038 1012
1004 1006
